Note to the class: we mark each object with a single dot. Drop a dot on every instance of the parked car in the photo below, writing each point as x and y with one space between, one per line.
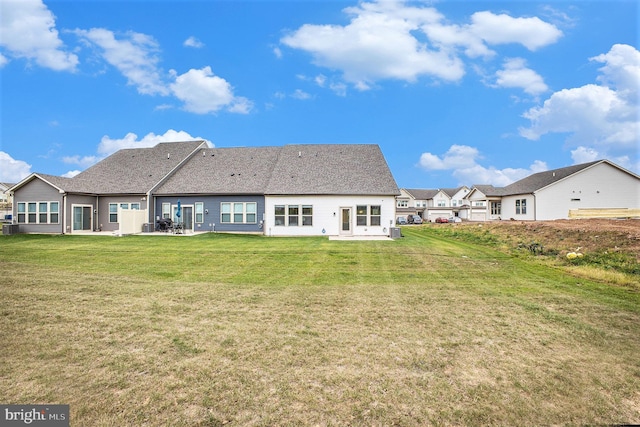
416 219
455 219
441 220
401 220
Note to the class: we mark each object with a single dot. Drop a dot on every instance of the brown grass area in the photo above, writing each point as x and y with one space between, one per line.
208 354
567 235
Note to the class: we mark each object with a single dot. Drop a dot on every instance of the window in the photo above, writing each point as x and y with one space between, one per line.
251 213
238 212
402 203
225 212
442 203
38 212
368 215
31 206
496 208
53 213
135 206
22 209
243 213
478 203
166 210
521 207
307 215
375 215
293 215
361 215
454 202
43 212
113 212
279 211
199 212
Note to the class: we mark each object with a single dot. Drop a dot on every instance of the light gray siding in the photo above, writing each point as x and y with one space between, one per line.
37 191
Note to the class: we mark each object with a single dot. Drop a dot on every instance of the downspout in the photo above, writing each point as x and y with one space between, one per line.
96 225
64 213
150 210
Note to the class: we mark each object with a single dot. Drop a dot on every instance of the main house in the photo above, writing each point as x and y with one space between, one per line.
292 190
558 194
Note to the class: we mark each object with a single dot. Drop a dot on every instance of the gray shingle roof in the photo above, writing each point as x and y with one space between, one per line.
422 194
331 169
134 170
540 180
292 169
223 171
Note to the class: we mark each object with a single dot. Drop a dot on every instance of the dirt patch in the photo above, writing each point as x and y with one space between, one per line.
586 235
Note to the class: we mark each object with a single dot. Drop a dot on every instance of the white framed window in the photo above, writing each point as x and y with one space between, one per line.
43 212
54 217
402 203
307 215
279 215
521 207
166 210
293 215
199 206
113 212
22 212
135 206
31 212
368 215
238 212
38 212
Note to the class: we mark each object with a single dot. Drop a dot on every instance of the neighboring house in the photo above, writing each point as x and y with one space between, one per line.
5 201
431 204
553 194
279 191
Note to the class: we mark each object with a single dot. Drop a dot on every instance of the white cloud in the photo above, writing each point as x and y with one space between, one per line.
462 160
71 174
584 155
27 30
203 92
301 95
393 40
516 74
135 55
3 60
533 33
457 157
109 146
377 44
599 117
12 170
193 42
84 161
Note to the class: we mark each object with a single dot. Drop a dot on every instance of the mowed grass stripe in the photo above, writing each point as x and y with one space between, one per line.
245 330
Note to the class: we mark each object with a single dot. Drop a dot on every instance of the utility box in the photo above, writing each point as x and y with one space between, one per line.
147 228
9 229
395 233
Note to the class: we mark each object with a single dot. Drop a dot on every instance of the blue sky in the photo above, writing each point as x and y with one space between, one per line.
453 92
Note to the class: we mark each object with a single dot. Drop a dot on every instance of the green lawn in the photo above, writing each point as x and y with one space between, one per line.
245 330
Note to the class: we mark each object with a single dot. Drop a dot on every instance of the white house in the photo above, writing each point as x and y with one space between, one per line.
555 193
